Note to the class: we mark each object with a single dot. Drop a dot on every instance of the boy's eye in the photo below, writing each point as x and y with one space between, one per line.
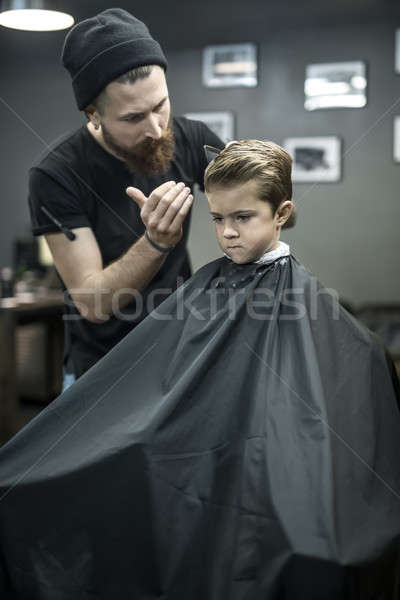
243 217
217 219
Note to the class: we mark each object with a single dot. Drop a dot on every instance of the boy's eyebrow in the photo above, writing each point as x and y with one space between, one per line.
129 115
236 212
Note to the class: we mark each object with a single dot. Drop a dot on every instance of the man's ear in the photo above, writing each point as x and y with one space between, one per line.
284 213
92 115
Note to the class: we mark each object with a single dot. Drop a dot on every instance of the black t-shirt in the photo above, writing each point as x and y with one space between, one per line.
82 185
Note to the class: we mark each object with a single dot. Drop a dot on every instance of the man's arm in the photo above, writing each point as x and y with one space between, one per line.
98 292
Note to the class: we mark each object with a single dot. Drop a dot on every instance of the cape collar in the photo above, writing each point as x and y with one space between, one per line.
282 250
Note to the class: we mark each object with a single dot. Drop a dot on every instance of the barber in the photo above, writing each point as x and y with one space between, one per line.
113 198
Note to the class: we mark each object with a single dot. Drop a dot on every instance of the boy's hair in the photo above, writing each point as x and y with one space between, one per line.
253 160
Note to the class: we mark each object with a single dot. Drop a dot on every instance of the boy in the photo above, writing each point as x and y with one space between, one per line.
241 443
249 190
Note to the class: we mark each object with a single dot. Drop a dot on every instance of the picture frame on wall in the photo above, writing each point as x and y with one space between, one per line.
336 85
222 123
397 51
230 65
316 159
396 139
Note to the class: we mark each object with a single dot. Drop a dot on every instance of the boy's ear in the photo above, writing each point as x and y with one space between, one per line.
286 214
291 222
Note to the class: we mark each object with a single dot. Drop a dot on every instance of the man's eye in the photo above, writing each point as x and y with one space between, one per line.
133 119
217 219
243 217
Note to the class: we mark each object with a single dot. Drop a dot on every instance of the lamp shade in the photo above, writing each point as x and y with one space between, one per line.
33 15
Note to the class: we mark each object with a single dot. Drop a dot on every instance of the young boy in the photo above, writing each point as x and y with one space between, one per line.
249 189
241 443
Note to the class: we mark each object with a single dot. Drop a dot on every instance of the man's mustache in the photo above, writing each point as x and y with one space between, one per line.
148 145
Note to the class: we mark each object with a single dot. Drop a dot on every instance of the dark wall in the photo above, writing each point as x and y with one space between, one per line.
347 232
36 106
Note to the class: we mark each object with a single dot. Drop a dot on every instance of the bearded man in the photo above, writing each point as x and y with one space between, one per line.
117 258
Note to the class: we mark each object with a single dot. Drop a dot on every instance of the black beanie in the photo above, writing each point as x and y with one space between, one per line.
100 49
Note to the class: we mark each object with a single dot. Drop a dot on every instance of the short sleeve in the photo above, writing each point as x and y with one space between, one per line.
58 198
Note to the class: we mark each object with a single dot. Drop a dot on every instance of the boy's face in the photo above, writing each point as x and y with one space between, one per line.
245 225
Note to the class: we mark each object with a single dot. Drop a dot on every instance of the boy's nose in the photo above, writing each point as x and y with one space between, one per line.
229 233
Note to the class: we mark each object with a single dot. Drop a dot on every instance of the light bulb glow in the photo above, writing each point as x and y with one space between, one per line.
36 20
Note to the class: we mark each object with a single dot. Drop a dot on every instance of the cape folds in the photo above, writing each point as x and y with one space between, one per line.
242 443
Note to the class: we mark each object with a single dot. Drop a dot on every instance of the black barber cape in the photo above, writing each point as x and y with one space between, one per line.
241 444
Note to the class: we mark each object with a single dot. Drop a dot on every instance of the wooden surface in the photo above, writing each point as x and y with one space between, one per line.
8 388
14 312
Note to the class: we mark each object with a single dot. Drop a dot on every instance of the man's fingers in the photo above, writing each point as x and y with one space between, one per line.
136 195
182 213
158 194
173 209
185 208
174 196
140 199
171 203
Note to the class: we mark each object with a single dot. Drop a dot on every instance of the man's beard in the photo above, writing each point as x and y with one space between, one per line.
147 158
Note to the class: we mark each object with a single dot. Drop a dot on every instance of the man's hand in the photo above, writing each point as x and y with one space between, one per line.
100 291
164 211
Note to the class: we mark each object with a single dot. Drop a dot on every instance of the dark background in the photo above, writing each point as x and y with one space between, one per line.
347 232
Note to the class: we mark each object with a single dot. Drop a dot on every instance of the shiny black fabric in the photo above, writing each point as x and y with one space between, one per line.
242 443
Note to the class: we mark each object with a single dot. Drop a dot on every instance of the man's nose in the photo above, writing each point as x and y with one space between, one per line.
153 127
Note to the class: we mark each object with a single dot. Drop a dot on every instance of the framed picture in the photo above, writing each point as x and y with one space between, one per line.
315 159
336 85
396 139
230 65
397 51
221 123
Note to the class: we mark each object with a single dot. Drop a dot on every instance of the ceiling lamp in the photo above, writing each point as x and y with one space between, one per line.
33 15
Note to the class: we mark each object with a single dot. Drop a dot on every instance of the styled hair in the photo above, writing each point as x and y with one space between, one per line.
253 160
129 77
